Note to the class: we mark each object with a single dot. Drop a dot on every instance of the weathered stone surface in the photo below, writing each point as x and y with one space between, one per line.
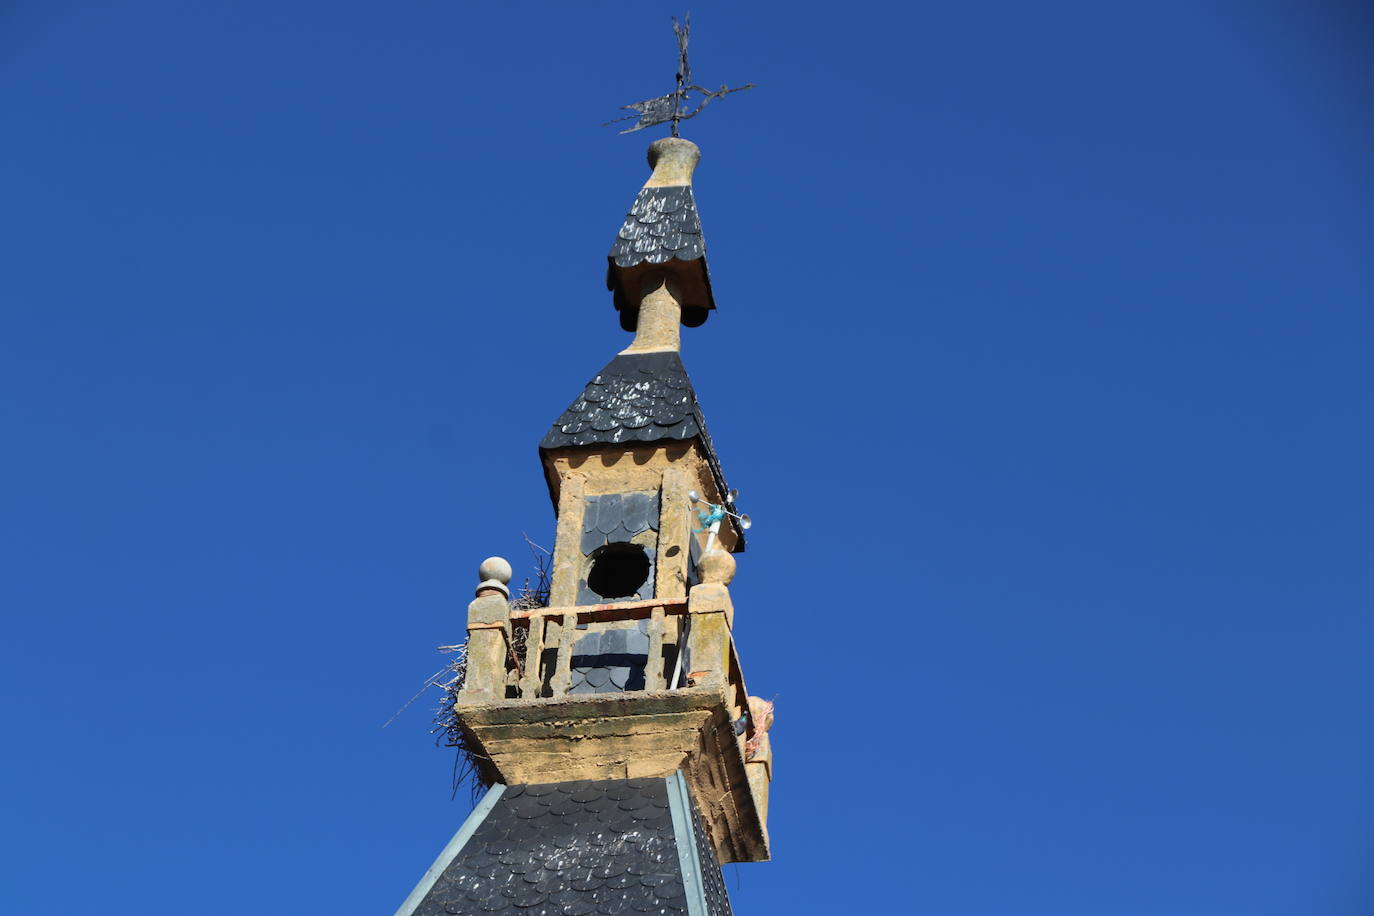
660 317
611 736
716 567
672 469
567 557
673 160
488 609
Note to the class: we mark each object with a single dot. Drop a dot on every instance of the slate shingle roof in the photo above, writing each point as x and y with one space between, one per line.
637 397
662 224
644 397
576 849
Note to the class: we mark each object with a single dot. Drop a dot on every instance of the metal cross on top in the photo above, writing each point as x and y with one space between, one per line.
672 108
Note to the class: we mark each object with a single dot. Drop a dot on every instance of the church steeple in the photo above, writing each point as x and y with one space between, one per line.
624 757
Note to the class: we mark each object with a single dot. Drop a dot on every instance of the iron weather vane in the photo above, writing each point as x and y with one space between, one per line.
675 107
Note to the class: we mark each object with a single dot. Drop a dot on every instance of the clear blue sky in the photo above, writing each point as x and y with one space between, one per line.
1068 304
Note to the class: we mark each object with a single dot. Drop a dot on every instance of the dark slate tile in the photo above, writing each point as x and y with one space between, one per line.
591 540
614 641
608 512
639 512
635 419
659 213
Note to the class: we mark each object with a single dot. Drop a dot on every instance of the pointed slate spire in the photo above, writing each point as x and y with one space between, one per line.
657 270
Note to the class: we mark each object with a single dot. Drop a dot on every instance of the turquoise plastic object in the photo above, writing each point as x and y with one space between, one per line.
708 519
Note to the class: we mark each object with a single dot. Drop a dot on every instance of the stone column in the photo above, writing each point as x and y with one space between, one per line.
660 316
712 615
488 634
567 545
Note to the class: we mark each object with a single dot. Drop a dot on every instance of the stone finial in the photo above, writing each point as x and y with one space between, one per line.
673 160
494 573
716 567
662 234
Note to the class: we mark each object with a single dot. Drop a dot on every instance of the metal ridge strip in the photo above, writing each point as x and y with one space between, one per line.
455 846
680 804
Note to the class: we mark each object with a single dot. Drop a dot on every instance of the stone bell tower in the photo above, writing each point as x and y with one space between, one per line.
625 759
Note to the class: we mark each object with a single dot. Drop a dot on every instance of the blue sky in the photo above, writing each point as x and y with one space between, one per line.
1068 306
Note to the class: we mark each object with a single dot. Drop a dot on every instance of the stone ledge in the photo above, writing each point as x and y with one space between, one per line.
627 735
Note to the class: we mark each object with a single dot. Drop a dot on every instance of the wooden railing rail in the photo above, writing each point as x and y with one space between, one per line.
616 610
549 625
502 665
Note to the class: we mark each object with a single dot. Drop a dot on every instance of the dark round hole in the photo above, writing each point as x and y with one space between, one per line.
618 570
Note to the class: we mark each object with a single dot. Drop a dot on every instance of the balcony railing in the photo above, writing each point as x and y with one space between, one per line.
516 656
520 711
543 639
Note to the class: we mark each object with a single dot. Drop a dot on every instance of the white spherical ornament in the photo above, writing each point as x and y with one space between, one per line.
494 568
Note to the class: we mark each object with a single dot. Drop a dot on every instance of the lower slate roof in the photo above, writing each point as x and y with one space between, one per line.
610 847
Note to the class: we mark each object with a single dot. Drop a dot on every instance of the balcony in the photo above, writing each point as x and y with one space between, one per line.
527 710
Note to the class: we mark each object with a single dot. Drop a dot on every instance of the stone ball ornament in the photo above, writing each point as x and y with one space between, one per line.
494 573
497 568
